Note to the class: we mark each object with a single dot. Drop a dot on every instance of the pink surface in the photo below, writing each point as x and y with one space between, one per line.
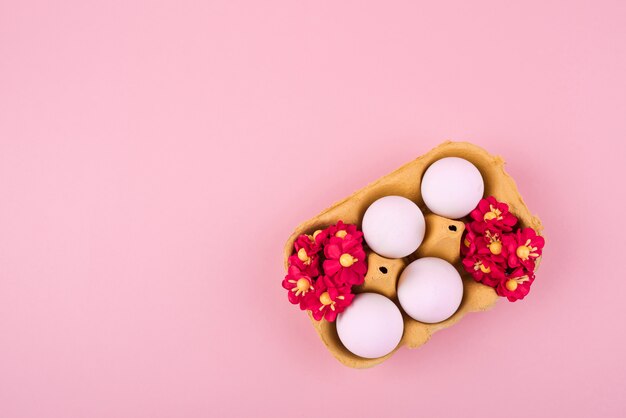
155 156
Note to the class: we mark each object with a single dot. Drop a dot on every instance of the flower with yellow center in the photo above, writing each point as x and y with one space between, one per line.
327 301
346 260
341 233
494 213
512 284
314 236
303 256
480 266
302 286
524 252
495 245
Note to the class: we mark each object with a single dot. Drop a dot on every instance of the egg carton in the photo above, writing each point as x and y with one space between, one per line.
442 239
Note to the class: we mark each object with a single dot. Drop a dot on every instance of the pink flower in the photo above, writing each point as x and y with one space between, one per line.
516 285
492 247
495 254
468 245
327 300
345 261
493 215
312 243
524 247
325 288
344 231
483 270
307 262
298 284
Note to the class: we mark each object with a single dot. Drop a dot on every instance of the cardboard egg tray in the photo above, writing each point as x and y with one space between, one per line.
442 240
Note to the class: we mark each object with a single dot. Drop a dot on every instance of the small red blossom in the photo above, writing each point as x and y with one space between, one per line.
345 261
523 248
344 231
483 270
312 243
307 263
492 247
298 284
328 299
468 245
493 215
516 285
323 268
498 254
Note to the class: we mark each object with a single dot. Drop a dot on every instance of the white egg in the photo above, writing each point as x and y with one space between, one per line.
430 290
452 187
393 226
371 326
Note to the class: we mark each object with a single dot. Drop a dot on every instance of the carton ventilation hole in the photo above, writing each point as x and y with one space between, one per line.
452 228
383 270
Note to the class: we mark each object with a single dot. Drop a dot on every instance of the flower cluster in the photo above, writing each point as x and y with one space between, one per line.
324 267
496 253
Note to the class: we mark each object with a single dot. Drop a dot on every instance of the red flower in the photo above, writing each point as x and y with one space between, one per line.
312 243
468 246
298 284
516 285
307 262
343 265
492 247
497 256
523 248
327 300
483 270
494 215
345 260
344 231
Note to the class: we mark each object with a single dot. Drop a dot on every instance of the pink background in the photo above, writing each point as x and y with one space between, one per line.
154 157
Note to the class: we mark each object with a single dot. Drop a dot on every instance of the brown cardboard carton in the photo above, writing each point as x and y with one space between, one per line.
442 240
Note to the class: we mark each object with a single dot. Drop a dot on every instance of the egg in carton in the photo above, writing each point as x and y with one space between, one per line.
442 240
